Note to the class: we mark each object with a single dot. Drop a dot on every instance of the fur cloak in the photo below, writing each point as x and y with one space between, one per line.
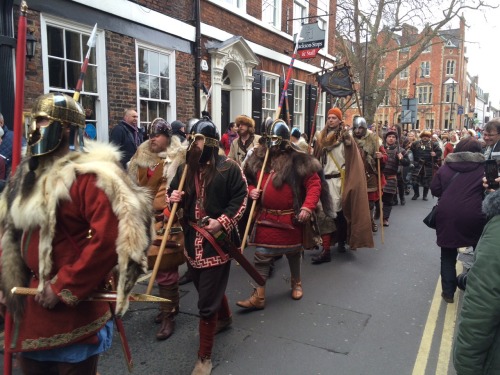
55 176
172 158
297 166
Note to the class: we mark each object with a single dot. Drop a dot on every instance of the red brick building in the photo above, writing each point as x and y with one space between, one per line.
437 78
159 56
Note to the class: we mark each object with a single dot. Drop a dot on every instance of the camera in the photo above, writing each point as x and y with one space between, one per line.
462 280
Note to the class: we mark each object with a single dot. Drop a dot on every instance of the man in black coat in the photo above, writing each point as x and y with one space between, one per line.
126 135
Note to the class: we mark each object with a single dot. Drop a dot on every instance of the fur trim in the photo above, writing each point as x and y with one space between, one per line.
131 204
491 204
248 121
172 158
459 157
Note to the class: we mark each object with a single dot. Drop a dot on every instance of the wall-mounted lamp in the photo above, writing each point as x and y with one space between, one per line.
30 44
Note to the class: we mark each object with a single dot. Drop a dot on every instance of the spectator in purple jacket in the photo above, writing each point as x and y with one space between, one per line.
459 218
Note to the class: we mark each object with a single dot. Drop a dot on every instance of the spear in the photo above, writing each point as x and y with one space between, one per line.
16 150
259 182
163 244
90 44
97 296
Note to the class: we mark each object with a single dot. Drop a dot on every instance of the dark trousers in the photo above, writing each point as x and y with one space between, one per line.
401 187
448 271
341 224
211 285
32 367
387 203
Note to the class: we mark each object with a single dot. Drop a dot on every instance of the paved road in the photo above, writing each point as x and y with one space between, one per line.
373 311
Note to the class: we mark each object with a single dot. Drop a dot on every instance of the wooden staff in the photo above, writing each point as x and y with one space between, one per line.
278 113
254 202
166 234
379 180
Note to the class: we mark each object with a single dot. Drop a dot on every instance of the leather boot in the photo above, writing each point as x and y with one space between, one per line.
374 226
256 301
224 318
202 367
297 292
322 257
167 327
168 310
325 255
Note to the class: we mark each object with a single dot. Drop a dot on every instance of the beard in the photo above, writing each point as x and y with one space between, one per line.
193 157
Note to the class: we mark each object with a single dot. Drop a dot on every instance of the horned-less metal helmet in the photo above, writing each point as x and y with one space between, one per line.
61 110
278 134
206 130
160 126
359 122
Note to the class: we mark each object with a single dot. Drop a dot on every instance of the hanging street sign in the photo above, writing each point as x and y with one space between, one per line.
312 40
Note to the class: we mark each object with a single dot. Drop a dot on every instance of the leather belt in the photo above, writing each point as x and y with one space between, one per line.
278 212
334 175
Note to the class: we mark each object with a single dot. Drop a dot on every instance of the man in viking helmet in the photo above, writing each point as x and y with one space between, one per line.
288 196
213 200
68 219
372 150
153 166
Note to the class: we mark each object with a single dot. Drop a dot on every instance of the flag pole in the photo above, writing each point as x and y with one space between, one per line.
16 151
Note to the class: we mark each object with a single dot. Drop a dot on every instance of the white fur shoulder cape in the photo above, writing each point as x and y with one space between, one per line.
131 204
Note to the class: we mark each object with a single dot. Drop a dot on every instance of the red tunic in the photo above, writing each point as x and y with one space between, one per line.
281 199
76 271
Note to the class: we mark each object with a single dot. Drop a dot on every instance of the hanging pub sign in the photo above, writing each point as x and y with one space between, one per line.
312 40
337 82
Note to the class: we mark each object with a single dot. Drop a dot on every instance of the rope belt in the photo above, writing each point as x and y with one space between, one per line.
278 212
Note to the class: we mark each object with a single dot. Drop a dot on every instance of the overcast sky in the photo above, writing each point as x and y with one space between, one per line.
482 40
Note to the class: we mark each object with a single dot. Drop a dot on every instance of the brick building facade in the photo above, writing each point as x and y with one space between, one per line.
146 57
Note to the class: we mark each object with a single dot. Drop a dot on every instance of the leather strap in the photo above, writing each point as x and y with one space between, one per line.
210 239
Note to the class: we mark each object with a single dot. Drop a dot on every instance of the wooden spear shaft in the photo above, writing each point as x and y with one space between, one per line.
166 234
379 180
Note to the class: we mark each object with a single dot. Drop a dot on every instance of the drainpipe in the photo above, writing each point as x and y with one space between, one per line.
197 60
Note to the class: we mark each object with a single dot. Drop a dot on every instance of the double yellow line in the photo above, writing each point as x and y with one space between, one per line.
446 342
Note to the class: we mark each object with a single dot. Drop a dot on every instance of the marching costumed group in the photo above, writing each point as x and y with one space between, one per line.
74 223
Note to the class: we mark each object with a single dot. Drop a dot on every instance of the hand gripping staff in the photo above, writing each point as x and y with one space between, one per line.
167 233
282 99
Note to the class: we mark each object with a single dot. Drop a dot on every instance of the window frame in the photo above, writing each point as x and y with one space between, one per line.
171 108
276 22
304 7
425 68
405 73
100 97
450 67
428 94
320 113
299 105
273 96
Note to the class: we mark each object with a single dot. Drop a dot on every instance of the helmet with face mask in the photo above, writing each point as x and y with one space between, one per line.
61 110
277 134
359 122
207 131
